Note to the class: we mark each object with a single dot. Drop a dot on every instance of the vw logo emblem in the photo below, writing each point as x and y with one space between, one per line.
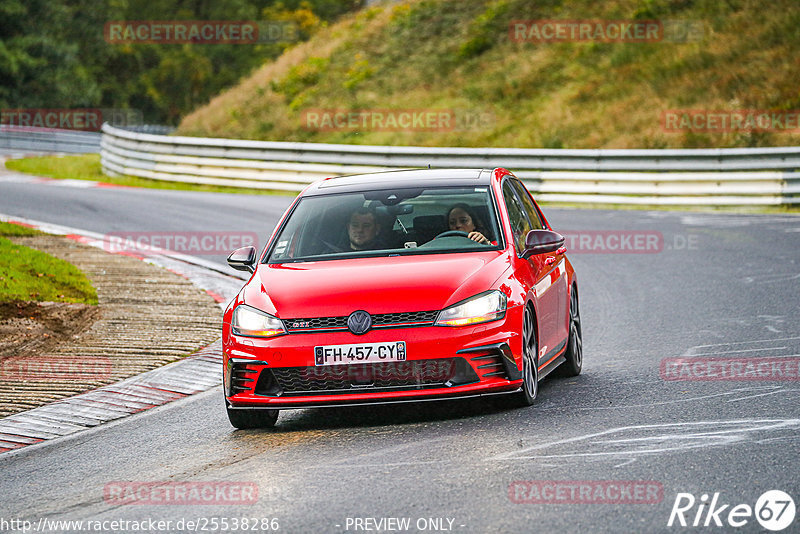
359 322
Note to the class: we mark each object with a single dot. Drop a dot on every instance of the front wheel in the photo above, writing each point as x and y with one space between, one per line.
530 371
574 352
246 419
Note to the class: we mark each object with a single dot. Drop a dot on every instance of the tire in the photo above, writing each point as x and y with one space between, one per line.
530 362
574 352
245 419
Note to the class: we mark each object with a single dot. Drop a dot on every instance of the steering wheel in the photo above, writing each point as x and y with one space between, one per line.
331 246
453 233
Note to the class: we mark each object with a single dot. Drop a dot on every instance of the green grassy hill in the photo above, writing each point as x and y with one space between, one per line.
458 55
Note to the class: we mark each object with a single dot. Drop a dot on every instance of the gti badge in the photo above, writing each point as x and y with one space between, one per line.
359 322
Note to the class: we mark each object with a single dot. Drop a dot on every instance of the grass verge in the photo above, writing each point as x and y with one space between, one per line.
28 274
87 167
503 89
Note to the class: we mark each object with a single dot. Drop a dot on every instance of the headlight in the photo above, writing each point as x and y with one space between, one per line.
482 308
249 321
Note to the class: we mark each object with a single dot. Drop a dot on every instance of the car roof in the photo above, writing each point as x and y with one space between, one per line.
400 179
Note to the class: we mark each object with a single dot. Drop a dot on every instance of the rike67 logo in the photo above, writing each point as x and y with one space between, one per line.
774 510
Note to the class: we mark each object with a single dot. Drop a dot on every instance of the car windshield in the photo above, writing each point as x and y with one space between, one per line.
388 222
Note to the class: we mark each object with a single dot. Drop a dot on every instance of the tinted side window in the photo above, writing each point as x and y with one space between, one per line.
520 226
527 203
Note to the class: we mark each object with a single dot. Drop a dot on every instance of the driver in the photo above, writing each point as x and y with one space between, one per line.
462 218
363 229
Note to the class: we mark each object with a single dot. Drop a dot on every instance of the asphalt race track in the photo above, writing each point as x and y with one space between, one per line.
714 286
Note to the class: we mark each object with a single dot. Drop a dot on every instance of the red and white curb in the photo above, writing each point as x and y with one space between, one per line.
194 374
20 178
66 182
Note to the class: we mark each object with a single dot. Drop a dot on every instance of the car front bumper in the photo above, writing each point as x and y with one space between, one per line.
442 363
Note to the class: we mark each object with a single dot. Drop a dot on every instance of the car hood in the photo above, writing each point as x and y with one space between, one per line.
377 285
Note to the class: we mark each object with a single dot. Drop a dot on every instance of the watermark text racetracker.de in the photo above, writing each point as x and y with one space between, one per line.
585 492
180 493
63 368
605 31
198 32
716 369
190 243
81 119
627 241
722 121
395 120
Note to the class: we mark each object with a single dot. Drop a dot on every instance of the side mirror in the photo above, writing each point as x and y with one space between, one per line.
243 259
541 242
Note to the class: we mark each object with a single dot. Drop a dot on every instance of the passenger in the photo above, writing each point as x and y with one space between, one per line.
461 217
363 230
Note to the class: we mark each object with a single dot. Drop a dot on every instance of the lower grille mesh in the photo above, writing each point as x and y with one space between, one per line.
408 374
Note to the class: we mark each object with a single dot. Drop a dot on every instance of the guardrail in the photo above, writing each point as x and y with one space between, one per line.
25 139
737 176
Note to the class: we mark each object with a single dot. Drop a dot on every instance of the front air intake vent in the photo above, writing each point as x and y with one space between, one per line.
490 365
387 376
242 378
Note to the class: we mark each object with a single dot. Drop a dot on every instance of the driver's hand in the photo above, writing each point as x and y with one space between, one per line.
478 237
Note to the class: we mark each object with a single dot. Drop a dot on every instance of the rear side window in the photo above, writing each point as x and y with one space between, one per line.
527 204
520 226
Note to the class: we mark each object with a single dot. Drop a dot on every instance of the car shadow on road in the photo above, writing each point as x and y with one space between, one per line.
395 414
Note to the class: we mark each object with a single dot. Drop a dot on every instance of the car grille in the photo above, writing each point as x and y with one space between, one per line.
416 374
382 320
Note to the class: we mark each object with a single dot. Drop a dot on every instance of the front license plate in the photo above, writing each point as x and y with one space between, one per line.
393 351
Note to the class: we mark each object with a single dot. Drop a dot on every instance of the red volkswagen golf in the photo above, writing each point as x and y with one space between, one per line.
401 286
